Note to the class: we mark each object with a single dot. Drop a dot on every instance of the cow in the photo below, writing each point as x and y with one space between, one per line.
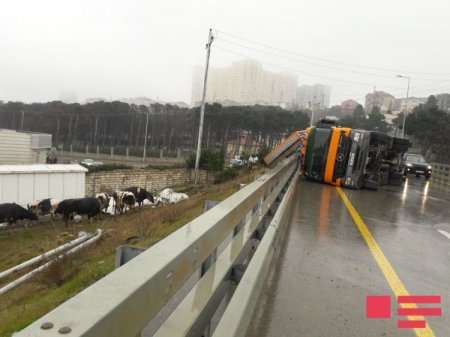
11 212
140 194
33 205
47 206
122 199
104 199
89 206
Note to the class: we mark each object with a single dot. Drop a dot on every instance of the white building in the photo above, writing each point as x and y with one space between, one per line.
23 147
400 104
379 99
310 95
24 183
246 83
443 101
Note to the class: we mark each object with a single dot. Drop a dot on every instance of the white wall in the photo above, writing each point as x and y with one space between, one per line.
14 147
24 187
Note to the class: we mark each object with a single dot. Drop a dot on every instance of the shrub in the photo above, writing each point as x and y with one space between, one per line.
210 160
225 175
107 167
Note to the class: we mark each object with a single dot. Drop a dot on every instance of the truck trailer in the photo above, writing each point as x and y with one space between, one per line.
343 156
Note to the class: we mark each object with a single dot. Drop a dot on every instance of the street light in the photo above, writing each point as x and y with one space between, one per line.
406 104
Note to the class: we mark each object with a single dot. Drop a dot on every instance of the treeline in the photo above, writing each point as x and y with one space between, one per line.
430 127
117 124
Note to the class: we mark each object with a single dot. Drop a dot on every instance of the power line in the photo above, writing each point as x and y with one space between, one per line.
318 65
303 72
329 60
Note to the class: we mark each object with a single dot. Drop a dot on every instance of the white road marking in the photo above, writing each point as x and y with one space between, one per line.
446 234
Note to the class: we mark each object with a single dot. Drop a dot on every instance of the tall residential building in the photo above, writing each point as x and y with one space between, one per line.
443 101
401 105
309 95
381 99
245 82
348 106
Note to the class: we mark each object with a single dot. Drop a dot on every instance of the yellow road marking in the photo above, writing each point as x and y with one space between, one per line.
391 276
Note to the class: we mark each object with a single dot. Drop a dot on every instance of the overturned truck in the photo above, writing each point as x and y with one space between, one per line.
346 157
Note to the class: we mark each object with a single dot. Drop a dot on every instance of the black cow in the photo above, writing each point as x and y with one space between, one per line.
10 213
140 194
89 206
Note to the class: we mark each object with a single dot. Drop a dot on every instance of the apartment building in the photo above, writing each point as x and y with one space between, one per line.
380 99
244 83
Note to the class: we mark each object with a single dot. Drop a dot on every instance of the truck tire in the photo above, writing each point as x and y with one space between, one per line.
395 178
401 144
380 137
402 141
370 184
400 148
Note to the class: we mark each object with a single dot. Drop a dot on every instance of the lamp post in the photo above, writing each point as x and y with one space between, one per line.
406 104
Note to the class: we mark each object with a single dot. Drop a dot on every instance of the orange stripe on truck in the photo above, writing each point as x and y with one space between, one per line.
332 153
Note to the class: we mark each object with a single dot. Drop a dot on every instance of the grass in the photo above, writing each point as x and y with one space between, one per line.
68 276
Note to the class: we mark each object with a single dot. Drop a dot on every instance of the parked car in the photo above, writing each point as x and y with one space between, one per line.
236 163
418 165
91 162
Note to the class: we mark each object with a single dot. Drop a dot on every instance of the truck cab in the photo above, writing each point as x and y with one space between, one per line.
353 158
342 156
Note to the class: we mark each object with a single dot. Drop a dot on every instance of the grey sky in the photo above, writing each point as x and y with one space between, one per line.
116 49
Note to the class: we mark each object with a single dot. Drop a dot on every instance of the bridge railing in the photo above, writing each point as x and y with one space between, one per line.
126 300
441 173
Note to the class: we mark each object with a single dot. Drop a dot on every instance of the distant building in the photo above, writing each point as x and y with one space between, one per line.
443 101
317 94
380 99
400 104
148 101
348 106
23 147
245 83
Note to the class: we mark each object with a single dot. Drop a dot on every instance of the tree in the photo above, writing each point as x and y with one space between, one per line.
431 128
377 121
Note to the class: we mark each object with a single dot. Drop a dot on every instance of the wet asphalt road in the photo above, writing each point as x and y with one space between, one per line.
324 270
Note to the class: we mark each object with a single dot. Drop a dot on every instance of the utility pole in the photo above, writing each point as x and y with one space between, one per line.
202 109
21 124
406 104
145 140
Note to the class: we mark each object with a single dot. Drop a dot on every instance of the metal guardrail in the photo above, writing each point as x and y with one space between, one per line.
123 302
441 173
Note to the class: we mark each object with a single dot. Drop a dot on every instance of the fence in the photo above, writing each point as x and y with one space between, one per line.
123 302
441 173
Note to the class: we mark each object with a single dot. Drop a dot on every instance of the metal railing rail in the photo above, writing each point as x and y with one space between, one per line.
123 302
441 173
238 314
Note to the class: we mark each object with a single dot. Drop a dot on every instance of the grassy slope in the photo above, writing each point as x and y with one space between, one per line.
29 301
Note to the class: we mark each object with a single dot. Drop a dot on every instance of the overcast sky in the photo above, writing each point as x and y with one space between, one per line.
115 49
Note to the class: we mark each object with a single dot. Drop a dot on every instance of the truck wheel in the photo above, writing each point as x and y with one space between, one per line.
427 176
370 184
396 178
400 148
380 137
402 141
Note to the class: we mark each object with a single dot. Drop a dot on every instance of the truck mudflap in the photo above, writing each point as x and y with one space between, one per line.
295 142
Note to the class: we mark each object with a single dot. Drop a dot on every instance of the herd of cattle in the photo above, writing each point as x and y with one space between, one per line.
126 198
